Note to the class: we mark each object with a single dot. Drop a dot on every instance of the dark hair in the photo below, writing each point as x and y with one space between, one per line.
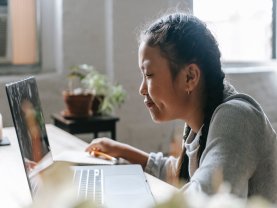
184 39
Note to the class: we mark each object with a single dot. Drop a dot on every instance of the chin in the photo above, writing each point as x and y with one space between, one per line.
157 119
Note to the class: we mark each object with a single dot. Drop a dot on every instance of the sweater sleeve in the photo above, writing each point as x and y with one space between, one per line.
231 149
164 168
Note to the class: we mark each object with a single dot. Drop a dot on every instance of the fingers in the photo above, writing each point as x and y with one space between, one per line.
95 145
92 148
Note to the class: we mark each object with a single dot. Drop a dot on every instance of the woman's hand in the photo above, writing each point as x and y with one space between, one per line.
105 145
118 149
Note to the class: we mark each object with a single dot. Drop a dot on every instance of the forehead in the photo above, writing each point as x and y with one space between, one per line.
144 49
146 52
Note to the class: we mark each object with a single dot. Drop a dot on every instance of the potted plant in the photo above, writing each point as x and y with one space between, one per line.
78 98
107 95
114 98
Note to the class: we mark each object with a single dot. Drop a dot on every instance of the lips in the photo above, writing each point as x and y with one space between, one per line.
149 103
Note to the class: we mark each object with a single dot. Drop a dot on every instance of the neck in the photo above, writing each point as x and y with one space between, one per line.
195 116
195 120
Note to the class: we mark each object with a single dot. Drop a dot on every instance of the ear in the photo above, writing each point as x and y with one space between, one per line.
191 76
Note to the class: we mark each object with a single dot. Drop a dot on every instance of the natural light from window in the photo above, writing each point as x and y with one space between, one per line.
243 28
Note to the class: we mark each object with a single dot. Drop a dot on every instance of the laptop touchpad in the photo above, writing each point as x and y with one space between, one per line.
125 184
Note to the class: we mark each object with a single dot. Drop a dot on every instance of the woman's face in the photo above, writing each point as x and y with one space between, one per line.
164 97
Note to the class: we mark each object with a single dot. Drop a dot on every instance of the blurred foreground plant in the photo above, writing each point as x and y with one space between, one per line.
58 192
223 199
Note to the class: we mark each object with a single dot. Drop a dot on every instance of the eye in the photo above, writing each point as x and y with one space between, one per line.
148 75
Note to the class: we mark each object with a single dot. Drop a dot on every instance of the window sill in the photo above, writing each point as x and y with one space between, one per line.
8 69
39 76
249 67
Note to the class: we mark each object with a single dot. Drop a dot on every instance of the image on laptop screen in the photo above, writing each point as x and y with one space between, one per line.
29 123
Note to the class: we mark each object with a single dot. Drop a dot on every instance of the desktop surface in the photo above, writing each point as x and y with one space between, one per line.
14 188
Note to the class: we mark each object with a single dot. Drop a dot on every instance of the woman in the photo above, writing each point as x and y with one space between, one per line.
226 132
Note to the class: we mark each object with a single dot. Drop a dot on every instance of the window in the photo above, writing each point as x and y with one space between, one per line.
23 37
18 36
245 29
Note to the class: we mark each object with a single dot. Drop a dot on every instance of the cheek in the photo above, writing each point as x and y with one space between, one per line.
161 95
155 91
162 92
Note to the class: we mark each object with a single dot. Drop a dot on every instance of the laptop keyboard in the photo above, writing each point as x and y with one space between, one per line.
90 185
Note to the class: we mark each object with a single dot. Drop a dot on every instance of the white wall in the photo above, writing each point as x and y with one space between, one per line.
84 33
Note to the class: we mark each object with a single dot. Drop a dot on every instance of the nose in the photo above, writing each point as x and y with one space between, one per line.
143 88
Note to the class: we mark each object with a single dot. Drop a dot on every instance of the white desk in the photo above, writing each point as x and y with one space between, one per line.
14 190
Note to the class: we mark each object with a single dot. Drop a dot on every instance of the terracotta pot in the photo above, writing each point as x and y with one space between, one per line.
78 105
96 103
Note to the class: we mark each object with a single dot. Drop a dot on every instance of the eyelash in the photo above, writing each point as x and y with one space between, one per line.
148 75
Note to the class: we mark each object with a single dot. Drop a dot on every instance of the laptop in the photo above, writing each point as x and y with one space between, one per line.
107 185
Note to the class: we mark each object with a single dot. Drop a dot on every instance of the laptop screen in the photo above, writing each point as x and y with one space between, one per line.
29 124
